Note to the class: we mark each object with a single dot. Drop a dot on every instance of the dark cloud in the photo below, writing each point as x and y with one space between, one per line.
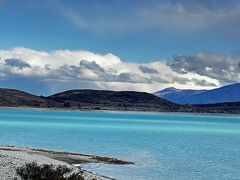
148 70
92 65
101 73
19 63
202 82
132 78
91 71
175 79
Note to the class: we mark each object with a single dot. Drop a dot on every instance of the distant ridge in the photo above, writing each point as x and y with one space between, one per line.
230 93
88 100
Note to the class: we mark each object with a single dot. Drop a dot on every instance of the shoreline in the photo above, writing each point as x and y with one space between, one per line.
68 157
116 111
42 156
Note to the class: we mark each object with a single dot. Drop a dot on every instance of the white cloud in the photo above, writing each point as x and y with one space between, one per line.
58 58
84 69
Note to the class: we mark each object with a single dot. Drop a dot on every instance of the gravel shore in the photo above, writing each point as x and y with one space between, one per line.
12 158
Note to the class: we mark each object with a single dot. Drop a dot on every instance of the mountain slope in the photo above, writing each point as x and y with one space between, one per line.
230 93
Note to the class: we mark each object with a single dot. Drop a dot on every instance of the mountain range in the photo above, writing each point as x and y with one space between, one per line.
230 93
87 100
108 100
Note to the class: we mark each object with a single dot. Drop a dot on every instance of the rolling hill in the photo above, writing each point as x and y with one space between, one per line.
16 98
113 100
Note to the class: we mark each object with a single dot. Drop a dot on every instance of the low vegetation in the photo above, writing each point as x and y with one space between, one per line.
33 171
111 160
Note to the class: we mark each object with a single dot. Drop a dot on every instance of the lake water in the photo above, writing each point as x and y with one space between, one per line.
163 146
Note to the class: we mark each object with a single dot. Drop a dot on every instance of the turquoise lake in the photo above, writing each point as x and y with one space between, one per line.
163 146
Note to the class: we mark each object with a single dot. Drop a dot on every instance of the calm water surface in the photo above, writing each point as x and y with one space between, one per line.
163 146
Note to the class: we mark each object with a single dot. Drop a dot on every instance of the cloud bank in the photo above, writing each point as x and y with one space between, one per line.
63 69
226 69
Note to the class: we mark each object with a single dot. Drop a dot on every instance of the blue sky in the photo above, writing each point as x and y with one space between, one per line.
42 25
137 32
